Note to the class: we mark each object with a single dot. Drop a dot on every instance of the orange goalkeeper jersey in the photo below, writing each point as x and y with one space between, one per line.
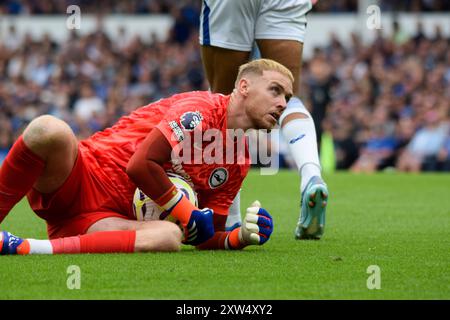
210 158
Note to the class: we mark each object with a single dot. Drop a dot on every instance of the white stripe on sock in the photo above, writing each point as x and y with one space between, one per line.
40 246
173 201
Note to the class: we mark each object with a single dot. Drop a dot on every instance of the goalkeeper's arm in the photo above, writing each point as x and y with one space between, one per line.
145 169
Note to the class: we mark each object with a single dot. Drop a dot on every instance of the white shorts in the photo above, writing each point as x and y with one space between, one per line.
235 24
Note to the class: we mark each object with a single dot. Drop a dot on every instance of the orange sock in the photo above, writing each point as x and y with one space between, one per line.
18 173
98 242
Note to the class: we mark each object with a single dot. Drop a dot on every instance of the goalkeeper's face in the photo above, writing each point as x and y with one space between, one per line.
266 98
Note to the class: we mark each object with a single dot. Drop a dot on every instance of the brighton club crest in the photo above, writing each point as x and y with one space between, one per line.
218 177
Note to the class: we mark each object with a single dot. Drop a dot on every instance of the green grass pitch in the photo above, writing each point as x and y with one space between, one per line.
398 222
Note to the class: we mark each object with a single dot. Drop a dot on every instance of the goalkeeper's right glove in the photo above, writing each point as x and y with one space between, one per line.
255 230
200 227
197 224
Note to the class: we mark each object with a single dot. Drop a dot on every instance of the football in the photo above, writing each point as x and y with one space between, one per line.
145 208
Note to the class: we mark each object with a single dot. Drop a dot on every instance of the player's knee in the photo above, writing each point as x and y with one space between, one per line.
165 237
47 133
295 116
169 239
173 238
295 110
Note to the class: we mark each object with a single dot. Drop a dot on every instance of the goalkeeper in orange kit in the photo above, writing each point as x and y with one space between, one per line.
84 190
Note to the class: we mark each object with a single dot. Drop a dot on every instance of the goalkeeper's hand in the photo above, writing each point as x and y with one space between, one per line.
197 224
200 227
256 228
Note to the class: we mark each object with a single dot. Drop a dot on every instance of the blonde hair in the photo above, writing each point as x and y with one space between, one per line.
260 65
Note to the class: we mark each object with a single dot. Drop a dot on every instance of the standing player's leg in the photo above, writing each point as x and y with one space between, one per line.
297 127
109 235
234 214
221 67
226 39
42 157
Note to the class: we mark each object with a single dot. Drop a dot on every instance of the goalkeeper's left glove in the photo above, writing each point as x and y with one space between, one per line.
255 230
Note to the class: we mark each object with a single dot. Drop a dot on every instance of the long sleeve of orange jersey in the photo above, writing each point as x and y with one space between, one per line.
145 169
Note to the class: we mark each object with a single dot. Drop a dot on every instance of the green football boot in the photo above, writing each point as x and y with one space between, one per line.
312 213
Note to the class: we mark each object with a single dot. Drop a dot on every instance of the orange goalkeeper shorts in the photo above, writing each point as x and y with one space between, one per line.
87 196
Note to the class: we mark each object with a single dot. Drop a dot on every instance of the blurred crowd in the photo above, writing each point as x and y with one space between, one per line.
95 6
165 6
337 6
90 81
415 5
386 105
